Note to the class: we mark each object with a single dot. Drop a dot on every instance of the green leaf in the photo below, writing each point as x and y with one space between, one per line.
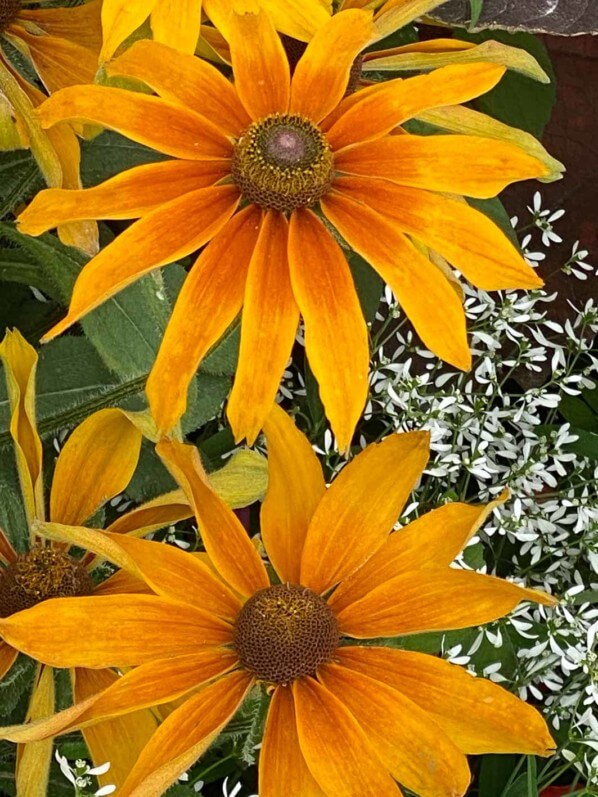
518 100
17 266
581 410
19 179
109 154
368 283
495 774
12 512
19 308
476 10
16 684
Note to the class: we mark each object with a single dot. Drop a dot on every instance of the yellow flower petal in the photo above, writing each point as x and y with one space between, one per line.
20 362
268 328
478 715
176 23
335 747
34 759
433 600
296 487
357 513
336 337
416 751
212 295
119 19
229 548
96 463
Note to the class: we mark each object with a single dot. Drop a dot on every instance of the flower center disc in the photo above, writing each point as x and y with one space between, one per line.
40 574
9 10
285 632
283 162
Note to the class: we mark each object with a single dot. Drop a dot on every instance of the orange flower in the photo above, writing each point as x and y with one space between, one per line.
62 46
346 720
178 24
252 164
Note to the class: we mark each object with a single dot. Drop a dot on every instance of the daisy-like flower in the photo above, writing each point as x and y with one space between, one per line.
62 46
178 24
346 719
263 169
95 464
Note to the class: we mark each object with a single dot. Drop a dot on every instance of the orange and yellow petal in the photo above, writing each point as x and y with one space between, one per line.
335 747
468 165
282 768
122 583
168 233
372 113
59 62
231 551
120 630
336 336
96 463
478 715
8 656
260 65
185 735
295 488
170 572
416 751
165 510
119 19
81 24
164 126
177 23
129 195
184 79
212 296
425 294
118 740
20 362
357 513
431 541
394 14
268 326
433 600
34 759
322 74
468 239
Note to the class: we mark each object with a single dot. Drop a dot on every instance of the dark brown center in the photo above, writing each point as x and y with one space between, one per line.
285 632
283 162
40 574
9 10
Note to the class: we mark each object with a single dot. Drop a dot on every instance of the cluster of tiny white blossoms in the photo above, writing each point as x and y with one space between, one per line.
498 426
82 776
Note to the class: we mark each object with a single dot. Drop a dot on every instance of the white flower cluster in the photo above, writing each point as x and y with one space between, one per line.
81 776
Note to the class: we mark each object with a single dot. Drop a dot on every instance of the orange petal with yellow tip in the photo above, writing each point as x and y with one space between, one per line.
295 488
322 74
99 457
120 630
433 600
119 740
431 541
8 656
184 79
19 359
80 24
170 572
300 19
282 769
268 327
335 747
336 336
148 685
176 23
129 195
260 66
416 751
478 715
123 583
153 515
34 760
357 513
468 165
168 233
468 239
157 123
59 62
212 295
375 111
427 297
231 551
185 735
119 19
